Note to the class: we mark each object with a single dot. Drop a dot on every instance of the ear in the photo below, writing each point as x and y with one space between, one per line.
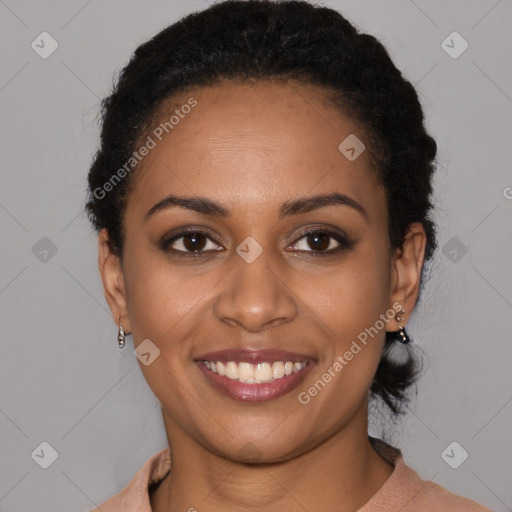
407 263
112 276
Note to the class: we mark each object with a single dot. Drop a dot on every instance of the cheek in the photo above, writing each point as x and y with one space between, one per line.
351 301
163 302
158 295
352 295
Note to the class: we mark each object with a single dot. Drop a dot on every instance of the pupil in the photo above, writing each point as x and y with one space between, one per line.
194 242
320 241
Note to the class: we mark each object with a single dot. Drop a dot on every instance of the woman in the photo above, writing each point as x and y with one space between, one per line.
262 195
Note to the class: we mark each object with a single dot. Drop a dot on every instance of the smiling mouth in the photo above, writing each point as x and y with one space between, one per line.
258 373
254 375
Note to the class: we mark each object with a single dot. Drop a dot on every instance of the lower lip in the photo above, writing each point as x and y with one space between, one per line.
263 392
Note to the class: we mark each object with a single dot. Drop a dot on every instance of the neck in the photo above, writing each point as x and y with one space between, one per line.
342 473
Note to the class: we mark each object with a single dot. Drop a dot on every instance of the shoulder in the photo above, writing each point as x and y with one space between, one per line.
406 491
135 496
427 495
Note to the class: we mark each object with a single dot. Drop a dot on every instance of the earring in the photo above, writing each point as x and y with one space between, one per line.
120 335
400 335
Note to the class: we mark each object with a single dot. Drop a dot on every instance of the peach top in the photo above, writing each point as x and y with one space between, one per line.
403 491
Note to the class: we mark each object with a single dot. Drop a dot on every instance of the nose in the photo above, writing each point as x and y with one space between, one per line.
255 296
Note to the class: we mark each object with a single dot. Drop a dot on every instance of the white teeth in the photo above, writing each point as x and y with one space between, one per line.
255 374
232 370
278 370
263 372
221 369
245 372
297 367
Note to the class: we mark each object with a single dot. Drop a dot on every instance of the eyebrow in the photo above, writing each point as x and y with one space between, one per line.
206 206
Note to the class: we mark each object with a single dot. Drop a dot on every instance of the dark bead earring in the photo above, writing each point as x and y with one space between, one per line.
401 336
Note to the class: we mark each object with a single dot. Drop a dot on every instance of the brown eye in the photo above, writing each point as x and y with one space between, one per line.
190 243
319 242
194 241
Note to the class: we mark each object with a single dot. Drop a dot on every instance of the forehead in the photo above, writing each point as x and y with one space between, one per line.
252 143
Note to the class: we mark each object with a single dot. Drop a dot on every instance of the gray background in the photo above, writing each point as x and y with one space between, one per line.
62 378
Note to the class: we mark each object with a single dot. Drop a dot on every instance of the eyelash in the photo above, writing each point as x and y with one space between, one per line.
344 242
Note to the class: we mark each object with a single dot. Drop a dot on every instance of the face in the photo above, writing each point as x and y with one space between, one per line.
252 241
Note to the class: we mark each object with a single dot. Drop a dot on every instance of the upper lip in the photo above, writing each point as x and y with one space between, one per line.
254 356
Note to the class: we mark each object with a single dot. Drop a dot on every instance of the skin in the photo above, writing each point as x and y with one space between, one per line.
253 148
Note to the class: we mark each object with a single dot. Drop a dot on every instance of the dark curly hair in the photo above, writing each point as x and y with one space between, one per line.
266 40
